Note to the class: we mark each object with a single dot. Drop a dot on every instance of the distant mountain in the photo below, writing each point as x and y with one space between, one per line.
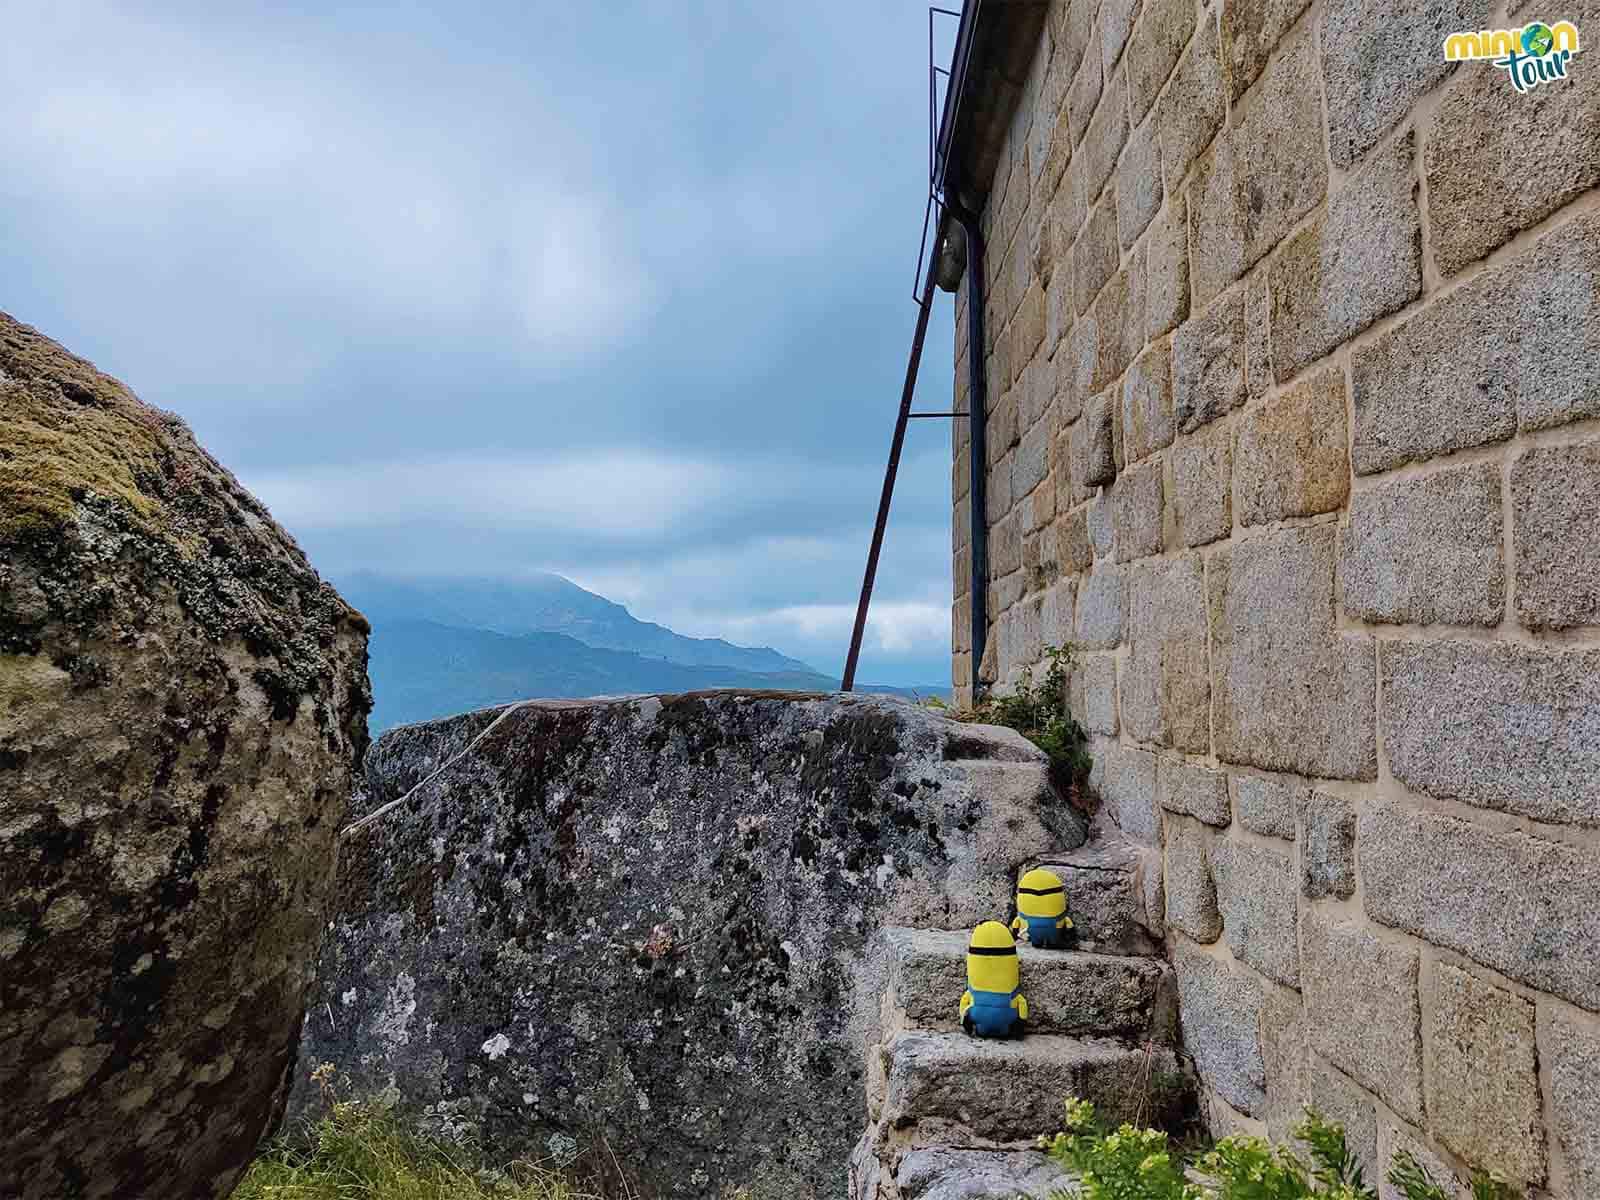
545 603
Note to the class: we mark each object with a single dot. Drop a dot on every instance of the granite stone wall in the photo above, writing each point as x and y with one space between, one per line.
1293 350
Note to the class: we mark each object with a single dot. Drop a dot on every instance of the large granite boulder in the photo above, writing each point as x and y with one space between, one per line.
182 705
653 920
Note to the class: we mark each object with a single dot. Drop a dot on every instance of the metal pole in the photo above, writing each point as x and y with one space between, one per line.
888 483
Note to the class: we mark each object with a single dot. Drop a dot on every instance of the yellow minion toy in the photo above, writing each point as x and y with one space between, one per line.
1042 911
993 1004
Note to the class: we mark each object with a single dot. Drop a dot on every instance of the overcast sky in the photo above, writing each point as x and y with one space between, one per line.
618 290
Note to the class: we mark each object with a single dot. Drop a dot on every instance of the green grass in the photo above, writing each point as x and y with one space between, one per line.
363 1152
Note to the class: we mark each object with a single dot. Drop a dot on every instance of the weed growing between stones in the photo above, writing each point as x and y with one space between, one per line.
1137 1164
1038 711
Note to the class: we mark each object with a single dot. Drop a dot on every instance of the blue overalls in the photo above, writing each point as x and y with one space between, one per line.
1042 933
991 1012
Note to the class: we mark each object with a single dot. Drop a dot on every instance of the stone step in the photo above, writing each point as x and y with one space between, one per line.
1068 992
1113 894
941 1173
948 1089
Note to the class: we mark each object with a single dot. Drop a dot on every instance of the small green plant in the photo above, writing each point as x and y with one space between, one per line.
1138 1164
1038 711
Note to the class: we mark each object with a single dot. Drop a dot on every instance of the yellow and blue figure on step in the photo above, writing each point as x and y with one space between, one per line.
1042 911
993 1004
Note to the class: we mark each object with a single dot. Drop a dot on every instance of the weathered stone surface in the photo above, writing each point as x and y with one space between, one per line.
1094 693
1483 1076
1005 544
1147 422
1167 305
1202 486
1166 688
1250 29
182 704
1072 32
1285 1049
1095 462
1257 181
1502 726
1078 993
1517 903
1163 31
1116 23
1257 891
1108 130
1094 258
1292 460
1257 335
1221 1013
1106 881
1136 511
1451 377
1573 1049
1327 834
1031 460
1082 97
1102 608
1374 77
596 886
1197 791
1191 890
1208 363
1055 614
1118 316
1190 112
978 1091
1268 806
1072 541
1425 551
1290 693
1393 1138
1361 260
1361 998
940 1173
1028 326
1555 504
1138 183
1102 533
1125 780
1491 140
1340 1100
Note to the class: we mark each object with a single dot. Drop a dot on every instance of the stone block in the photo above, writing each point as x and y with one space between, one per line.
1292 459
1035 395
1167 305
1361 998
1102 533
1272 633
1191 892
1138 183
941 1173
1071 32
1096 463
1500 726
1163 31
1572 1047
1506 899
1483 1076
1394 1137
1116 24
1557 302
1072 541
1258 893
1257 336
1190 112
1488 142
1285 1048
1269 806
1136 511
1555 504
1067 212
1202 486
1125 780
1108 130
1005 545
1106 881
1342 1101
1075 363
1028 325
1327 835
1057 308
1147 421
1426 551
1250 29
1094 259
1194 791
1082 97
1257 180
1441 381
1030 462
1359 261
1374 76
1094 693
1118 315
1000 432
1166 682
1055 618
1102 608
1221 1014
1208 363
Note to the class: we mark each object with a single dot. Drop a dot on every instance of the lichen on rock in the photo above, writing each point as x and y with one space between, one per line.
182 704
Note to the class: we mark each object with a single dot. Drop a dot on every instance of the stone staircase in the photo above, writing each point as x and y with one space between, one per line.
951 1117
